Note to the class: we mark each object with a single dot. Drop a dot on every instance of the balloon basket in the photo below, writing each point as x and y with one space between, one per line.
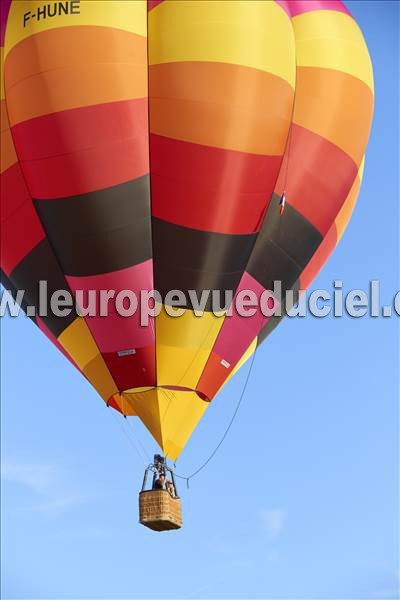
159 511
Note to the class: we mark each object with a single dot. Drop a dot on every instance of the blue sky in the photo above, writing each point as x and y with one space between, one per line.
309 508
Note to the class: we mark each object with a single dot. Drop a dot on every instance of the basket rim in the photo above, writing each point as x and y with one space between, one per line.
158 492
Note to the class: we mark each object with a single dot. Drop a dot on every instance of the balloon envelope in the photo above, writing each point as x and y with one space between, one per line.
147 145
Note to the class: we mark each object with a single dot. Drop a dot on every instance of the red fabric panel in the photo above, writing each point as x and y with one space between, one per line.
213 377
136 370
82 150
21 229
212 189
317 178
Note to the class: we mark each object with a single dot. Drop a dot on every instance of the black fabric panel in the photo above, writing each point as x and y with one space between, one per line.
284 246
274 321
101 231
40 265
190 259
10 287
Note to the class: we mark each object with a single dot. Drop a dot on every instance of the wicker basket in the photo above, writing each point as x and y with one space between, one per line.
159 511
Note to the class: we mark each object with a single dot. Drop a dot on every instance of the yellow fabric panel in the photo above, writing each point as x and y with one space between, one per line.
139 389
78 342
129 15
183 346
346 211
180 414
244 32
169 415
99 376
145 406
332 40
361 169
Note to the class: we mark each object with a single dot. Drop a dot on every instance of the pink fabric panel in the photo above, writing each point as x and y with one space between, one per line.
116 332
298 7
4 9
238 331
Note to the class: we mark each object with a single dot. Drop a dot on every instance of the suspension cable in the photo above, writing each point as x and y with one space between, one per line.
135 435
131 441
214 452
187 478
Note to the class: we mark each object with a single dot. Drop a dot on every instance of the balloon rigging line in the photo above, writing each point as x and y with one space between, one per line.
289 147
213 453
131 441
130 425
290 134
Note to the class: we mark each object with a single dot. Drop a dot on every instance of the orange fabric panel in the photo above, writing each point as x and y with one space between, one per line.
222 105
336 106
346 211
113 67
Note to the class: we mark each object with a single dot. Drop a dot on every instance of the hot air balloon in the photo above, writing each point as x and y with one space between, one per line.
175 145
